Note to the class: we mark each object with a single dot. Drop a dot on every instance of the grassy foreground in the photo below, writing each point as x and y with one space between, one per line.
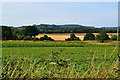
36 60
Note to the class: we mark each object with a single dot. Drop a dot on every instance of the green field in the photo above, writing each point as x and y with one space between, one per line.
59 59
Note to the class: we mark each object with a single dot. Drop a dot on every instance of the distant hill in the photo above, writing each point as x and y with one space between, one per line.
109 28
60 27
76 28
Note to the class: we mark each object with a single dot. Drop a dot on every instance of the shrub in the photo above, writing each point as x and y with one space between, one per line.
72 38
89 36
27 38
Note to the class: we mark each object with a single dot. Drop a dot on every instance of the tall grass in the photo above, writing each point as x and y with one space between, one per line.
34 60
55 67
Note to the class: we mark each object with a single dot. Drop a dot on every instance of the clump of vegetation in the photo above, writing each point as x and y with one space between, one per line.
89 36
45 37
73 38
102 36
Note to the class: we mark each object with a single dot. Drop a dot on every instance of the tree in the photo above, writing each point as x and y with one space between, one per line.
31 31
6 33
72 38
102 36
18 33
89 36
45 37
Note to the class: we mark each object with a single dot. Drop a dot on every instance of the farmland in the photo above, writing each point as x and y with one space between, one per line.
63 36
59 41
59 59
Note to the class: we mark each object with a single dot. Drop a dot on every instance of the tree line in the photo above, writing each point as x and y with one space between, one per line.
29 33
71 28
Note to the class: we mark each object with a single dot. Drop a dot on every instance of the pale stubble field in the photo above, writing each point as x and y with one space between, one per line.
63 36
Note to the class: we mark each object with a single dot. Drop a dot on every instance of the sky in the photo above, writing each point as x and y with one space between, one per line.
59 0
98 14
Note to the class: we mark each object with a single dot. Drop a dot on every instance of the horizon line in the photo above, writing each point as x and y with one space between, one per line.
54 24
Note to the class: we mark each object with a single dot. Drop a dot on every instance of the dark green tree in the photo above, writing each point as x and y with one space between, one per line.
72 38
102 36
45 37
89 36
6 33
19 33
31 31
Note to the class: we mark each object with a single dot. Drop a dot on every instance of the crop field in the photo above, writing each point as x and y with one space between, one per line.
63 36
59 59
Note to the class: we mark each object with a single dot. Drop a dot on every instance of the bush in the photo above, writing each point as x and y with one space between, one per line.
27 38
45 37
72 38
89 36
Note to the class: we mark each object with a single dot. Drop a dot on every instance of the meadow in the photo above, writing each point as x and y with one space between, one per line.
59 59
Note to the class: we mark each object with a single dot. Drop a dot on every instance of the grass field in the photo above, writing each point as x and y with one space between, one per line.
59 59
